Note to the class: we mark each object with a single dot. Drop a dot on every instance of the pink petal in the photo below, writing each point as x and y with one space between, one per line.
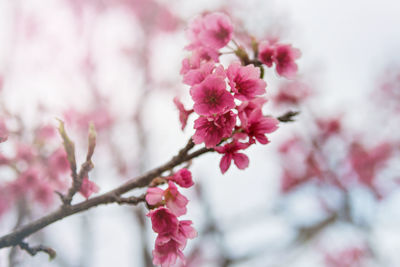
154 195
225 163
241 160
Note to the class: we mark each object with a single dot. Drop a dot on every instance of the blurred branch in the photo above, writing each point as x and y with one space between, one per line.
288 116
112 196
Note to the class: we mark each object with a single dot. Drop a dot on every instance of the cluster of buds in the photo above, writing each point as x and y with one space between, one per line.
310 163
167 206
229 101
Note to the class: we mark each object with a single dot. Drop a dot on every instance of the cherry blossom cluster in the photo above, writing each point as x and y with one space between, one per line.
37 169
167 206
229 100
310 163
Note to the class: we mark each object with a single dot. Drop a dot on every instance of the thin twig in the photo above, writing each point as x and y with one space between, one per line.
36 249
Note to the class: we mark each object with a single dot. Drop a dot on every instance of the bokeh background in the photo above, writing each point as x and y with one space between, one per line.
117 63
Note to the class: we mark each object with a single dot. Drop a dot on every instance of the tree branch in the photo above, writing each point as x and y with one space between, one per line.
17 236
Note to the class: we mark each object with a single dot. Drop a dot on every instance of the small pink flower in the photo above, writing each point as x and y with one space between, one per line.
211 97
44 194
166 254
196 76
245 81
185 232
198 57
163 221
211 130
217 31
266 53
154 195
366 163
292 93
88 188
247 107
183 113
259 125
46 132
230 153
183 178
58 162
347 257
289 181
174 200
329 127
214 30
29 178
284 58
25 152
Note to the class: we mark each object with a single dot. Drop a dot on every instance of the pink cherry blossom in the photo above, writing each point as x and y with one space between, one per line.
211 130
183 113
25 152
166 254
258 125
292 93
198 57
329 127
58 162
29 178
366 163
266 53
213 30
163 221
183 178
88 188
347 257
46 132
196 76
185 232
230 153
44 194
217 31
284 58
290 181
247 107
174 200
211 97
245 81
154 195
